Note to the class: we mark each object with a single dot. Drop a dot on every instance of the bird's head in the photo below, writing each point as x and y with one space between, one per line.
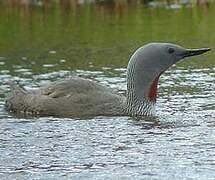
158 57
150 61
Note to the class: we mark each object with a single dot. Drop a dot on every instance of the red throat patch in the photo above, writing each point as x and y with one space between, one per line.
153 89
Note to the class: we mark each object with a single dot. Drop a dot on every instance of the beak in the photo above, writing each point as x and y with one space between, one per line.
194 52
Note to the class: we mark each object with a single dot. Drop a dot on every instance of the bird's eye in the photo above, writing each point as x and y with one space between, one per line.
171 50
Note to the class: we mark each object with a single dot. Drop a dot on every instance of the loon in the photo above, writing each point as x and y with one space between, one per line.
77 97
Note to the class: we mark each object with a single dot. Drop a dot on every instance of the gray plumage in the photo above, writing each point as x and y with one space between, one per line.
77 97
74 97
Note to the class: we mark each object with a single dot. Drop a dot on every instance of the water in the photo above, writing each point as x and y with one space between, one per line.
39 45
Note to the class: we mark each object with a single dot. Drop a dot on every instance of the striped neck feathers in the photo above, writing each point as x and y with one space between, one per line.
141 90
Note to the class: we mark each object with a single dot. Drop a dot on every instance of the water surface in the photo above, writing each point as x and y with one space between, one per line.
39 45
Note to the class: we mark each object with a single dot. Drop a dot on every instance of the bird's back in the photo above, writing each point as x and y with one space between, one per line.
74 97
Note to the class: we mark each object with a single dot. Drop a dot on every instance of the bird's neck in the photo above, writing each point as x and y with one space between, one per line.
141 90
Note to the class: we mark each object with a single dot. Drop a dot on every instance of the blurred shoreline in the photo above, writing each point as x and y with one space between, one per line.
173 4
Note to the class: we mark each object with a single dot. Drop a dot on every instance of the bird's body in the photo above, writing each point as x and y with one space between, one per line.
73 97
78 97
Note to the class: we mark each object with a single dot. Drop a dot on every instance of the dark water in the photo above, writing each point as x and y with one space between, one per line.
43 44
